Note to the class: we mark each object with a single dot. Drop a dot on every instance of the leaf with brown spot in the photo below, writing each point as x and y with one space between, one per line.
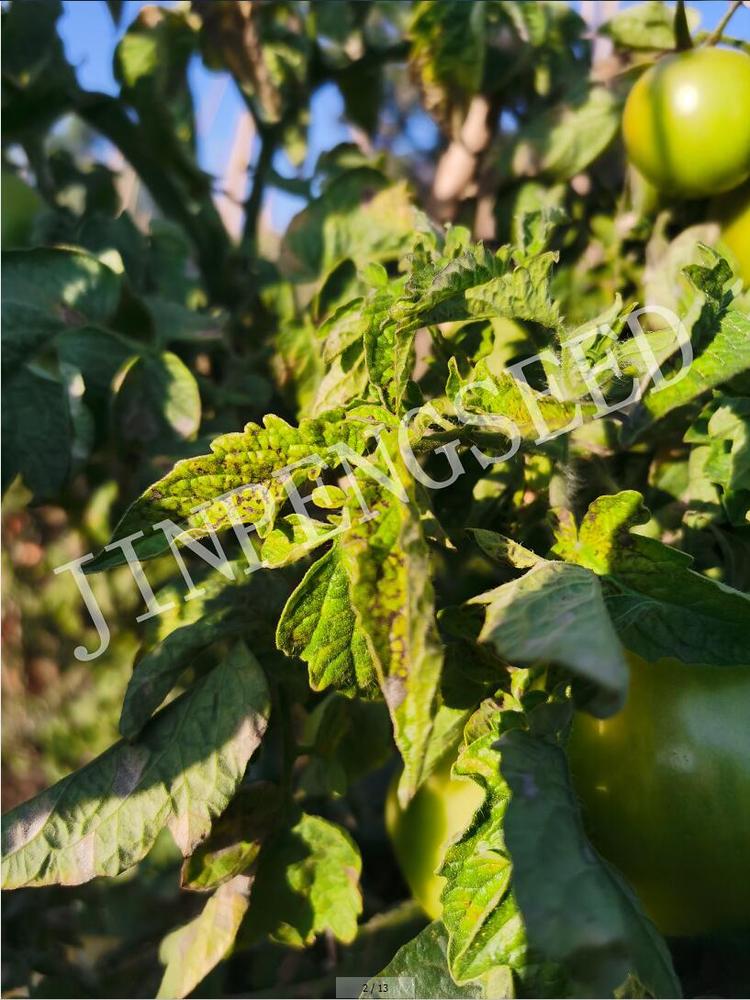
387 561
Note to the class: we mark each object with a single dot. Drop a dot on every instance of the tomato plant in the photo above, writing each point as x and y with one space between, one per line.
375 478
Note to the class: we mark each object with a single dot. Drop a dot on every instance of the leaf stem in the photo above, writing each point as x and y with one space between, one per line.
716 34
682 38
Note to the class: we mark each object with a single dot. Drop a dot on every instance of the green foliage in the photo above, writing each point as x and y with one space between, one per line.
578 632
568 137
680 612
397 495
650 25
449 52
721 344
307 879
319 625
423 959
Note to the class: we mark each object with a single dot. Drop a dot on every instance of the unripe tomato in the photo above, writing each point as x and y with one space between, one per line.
665 791
686 122
732 212
438 813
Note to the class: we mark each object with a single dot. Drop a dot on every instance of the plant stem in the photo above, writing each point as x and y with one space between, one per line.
716 34
254 203
200 220
288 744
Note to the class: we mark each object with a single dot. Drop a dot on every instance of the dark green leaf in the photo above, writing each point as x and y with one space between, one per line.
578 911
38 83
157 397
37 432
46 292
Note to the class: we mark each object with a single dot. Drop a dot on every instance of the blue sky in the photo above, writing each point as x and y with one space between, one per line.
90 37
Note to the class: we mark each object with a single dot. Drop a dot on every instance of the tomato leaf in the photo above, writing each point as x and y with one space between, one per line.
307 883
721 350
448 52
359 216
556 614
192 951
160 668
658 604
486 934
151 63
504 550
387 561
221 609
235 839
424 960
563 140
648 25
345 740
157 398
722 456
577 909
47 291
37 432
530 413
250 463
320 626
182 772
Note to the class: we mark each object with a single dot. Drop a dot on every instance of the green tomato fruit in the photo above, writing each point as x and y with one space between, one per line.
686 122
20 203
665 792
442 808
732 212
